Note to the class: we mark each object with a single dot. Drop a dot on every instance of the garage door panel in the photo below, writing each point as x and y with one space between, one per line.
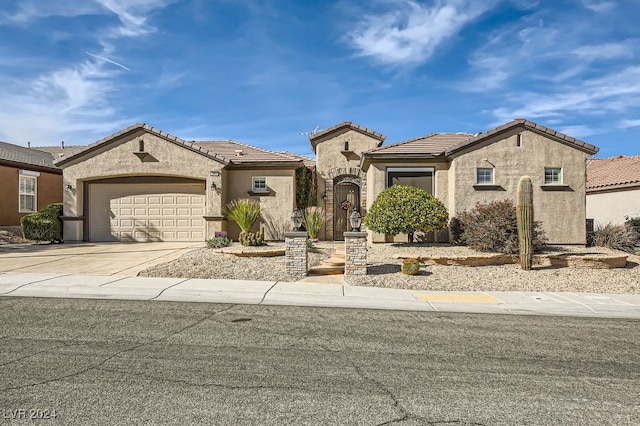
139 212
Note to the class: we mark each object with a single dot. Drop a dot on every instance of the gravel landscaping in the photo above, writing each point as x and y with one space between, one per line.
384 270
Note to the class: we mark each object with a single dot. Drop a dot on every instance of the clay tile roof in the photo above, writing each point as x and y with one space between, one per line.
530 125
433 144
612 173
240 153
59 152
341 128
30 156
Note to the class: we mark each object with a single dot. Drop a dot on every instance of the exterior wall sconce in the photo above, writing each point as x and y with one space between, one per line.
356 221
296 218
324 195
214 186
68 187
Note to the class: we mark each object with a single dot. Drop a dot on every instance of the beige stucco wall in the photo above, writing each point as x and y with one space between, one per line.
279 204
330 157
562 213
117 159
613 206
377 182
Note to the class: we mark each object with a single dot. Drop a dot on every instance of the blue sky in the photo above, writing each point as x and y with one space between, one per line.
264 71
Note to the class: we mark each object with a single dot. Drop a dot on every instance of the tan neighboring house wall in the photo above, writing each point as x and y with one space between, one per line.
560 208
613 189
613 207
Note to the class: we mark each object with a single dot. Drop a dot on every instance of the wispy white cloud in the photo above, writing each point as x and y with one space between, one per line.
410 32
628 123
616 91
79 99
599 6
604 51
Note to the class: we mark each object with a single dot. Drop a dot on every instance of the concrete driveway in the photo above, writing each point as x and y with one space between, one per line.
90 258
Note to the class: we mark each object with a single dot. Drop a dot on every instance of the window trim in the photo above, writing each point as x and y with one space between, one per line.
431 170
31 177
560 176
493 176
256 179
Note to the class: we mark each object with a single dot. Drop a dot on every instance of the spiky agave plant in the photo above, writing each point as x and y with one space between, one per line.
314 219
244 212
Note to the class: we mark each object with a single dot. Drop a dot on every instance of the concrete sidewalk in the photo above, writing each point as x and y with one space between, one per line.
315 294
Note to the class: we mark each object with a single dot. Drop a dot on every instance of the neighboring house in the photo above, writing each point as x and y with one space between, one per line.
613 189
28 182
142 184
460 169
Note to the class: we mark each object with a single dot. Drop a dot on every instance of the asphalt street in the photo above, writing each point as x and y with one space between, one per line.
82 361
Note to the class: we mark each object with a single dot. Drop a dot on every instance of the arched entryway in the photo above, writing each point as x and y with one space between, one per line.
346 199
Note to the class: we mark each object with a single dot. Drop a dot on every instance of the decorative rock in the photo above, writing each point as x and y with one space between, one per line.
410 266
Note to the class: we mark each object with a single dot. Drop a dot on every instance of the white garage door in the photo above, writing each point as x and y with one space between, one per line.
146 212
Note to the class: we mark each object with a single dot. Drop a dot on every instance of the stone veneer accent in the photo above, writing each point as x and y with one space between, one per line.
355 253
296 256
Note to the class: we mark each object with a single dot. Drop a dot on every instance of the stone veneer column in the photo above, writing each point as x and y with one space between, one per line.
355 253
296 258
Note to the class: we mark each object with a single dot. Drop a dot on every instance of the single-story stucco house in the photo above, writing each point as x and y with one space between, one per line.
613 189
142 184
460 169
28 182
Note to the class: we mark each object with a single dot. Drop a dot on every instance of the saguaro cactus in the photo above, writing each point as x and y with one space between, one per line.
524 208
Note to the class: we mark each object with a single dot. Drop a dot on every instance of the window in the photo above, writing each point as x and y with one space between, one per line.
259 184
552 176
27 194
419 177
484 176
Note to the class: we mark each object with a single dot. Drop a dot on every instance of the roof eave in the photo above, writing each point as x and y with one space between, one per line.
370 157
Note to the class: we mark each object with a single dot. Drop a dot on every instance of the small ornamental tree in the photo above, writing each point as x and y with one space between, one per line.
406 209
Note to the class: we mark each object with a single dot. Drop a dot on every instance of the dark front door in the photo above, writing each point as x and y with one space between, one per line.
346 200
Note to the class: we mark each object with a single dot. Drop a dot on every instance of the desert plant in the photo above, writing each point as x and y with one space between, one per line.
243 212
493 227
275 228
456 227
406 209
218 242
410 266
617 237
524 219
43 225
314 219
252 238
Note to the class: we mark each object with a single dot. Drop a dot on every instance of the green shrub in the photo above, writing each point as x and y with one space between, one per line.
218 242
43 225
617 237
405 209
243 212
314 219
493 227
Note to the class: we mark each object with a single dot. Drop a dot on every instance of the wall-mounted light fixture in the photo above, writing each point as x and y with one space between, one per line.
68 187
214 186
324 195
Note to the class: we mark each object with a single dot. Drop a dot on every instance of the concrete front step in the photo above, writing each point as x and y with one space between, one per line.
326 270
334 261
